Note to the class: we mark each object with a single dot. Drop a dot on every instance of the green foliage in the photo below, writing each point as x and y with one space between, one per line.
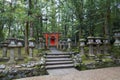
100 56
115 50
81 67
72 18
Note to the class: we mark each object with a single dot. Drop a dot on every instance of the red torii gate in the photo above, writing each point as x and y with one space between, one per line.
51 39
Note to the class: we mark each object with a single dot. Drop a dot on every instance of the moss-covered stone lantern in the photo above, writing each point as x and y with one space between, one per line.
98 43
12 45
117 38
69 44
82 45
19 46
105 45
91 44
4 50
31 47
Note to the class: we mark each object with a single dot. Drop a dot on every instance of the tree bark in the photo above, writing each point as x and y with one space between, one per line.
107 19
26 37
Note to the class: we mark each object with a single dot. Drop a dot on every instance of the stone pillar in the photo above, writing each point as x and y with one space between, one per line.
91 43
4 50
19 45
105 46
82 45
12 47
31 46
98 43
117 38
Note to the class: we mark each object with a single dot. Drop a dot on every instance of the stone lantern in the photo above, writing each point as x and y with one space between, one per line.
105 45
31 46
60 44
82 45
44 45
4 50
19 45
69 43
40 42
64 46
91 44
117 38
12 47
98 43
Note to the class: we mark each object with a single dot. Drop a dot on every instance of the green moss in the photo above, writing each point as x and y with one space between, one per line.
88 61
107 60
115 51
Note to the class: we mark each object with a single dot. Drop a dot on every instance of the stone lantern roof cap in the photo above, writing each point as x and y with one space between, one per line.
68 39
90 37
98 37
116 31
81 40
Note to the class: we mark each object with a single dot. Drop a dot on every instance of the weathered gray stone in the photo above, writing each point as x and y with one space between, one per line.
19 46
105 45
11 46
98 43
31 46
117 38
91 43
82 45
2 66
4 50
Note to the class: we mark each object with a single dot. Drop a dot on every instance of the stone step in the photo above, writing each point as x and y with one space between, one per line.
57 56
59 66
58 59
59 62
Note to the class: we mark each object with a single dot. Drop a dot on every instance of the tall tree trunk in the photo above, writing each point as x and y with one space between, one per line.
28 24
107 20
26 38
29 14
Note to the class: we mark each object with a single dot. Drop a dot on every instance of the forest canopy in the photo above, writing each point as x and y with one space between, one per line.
72 18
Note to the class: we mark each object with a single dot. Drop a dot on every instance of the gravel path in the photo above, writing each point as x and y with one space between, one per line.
112 73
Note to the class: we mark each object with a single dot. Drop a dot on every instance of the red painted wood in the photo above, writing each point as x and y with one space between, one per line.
51 39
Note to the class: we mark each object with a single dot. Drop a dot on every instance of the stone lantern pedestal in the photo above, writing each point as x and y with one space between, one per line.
4 50
117 38
31 47
19 46
91 44
98 43
12 47
82 45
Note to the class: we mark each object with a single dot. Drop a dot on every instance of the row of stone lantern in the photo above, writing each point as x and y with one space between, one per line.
92 41
11 45
65 44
